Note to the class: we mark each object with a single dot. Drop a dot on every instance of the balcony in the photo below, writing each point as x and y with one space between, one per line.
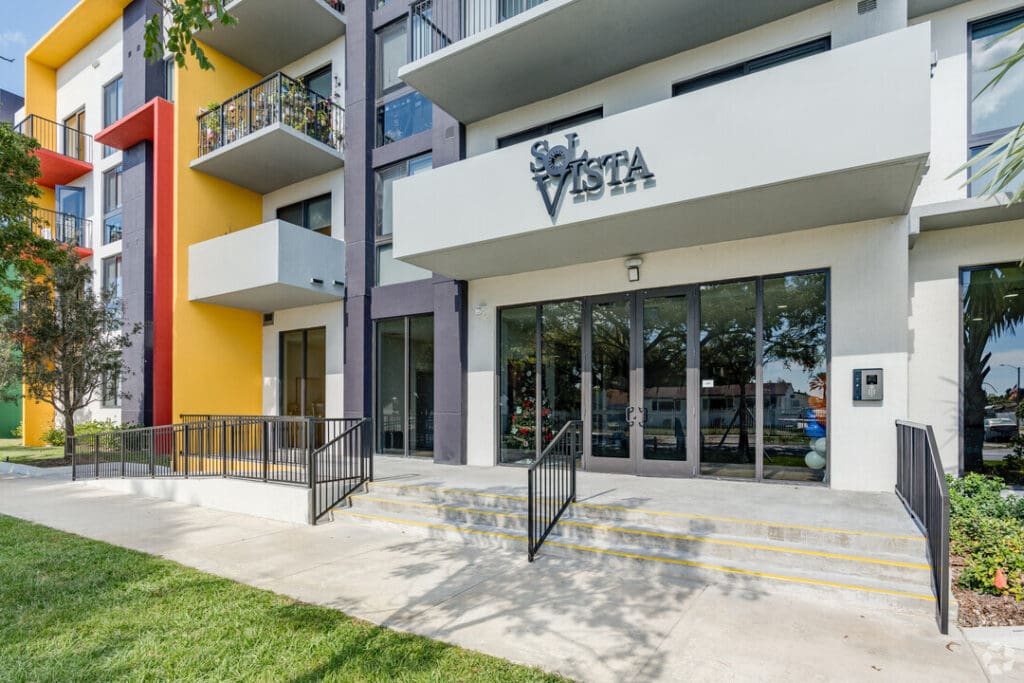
268 267
459 45
790 148
271 135
64 228
271 34
64 153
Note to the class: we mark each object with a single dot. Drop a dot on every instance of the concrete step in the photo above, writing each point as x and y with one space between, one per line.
852 541
752 574
709 546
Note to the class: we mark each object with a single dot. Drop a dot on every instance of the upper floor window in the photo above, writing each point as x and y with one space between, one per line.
169 80
552 127
385 180
75 140
112 199
112 282
402 117
790 54
392 54
993 111
113 107
313 214
388 270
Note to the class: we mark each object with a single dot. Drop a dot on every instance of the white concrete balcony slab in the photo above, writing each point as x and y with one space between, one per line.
271 33
268 267
835 138
270 135
477 58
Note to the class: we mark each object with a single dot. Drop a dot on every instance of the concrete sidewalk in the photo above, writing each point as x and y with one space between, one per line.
584 623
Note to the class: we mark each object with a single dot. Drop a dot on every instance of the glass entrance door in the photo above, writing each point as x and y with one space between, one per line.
639 384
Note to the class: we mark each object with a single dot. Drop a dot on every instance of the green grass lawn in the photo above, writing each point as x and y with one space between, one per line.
76 609
46 456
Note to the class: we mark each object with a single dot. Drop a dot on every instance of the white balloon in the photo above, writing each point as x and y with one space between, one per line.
820 445
814 460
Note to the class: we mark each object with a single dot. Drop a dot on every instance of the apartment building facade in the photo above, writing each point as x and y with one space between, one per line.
734 244
731 243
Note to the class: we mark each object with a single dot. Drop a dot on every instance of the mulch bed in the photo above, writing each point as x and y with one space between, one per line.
981 609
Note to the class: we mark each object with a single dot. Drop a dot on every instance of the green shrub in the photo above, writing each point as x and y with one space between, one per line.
987 530
84 430
53 436
19 431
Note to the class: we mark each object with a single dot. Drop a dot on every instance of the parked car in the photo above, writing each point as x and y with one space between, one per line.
1000 428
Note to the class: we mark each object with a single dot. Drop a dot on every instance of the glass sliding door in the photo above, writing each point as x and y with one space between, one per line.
794 372
421 385
404 385
665 323
728 334
303 372
517 428
993 358
611 412
545 341
561 367
391 386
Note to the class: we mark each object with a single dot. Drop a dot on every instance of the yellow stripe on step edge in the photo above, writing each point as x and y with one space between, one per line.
667 513
659 534
653 558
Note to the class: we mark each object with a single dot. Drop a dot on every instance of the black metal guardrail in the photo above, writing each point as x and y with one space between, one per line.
436 24
275 99
56 137
552 484
330 456
921 485
61 227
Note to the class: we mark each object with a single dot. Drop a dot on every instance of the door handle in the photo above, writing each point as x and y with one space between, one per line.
629 416
643 419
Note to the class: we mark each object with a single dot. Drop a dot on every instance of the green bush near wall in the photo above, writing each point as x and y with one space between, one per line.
987 530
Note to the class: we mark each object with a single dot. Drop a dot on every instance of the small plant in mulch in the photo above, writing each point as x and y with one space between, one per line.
987 534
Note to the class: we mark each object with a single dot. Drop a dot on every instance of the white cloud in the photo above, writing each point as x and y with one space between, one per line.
12 38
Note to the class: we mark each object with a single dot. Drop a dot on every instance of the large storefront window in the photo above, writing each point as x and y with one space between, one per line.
795 377
993 357
627 365
530 413
405 386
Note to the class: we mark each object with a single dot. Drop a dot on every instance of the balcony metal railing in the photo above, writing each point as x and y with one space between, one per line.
435 24
275 99
56 137
61 227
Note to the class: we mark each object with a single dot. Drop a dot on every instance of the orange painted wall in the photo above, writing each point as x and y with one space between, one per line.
217 351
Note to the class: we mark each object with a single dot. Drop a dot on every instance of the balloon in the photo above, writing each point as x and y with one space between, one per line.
820 445
814 460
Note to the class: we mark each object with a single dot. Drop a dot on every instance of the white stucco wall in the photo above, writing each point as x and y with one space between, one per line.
868 326
935 320
80 84
331 316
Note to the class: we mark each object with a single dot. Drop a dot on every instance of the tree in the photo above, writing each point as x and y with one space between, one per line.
23 254
68 339
172 30
1004 158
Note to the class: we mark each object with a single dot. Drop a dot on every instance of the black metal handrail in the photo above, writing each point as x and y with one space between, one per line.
57 137
321 454
275 99
552 484
61 227
921 485
436 24
340 467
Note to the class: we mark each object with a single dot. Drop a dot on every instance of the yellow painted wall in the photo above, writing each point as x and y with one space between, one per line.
217 355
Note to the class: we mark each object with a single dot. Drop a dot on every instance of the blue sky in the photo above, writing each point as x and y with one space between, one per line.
21 25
